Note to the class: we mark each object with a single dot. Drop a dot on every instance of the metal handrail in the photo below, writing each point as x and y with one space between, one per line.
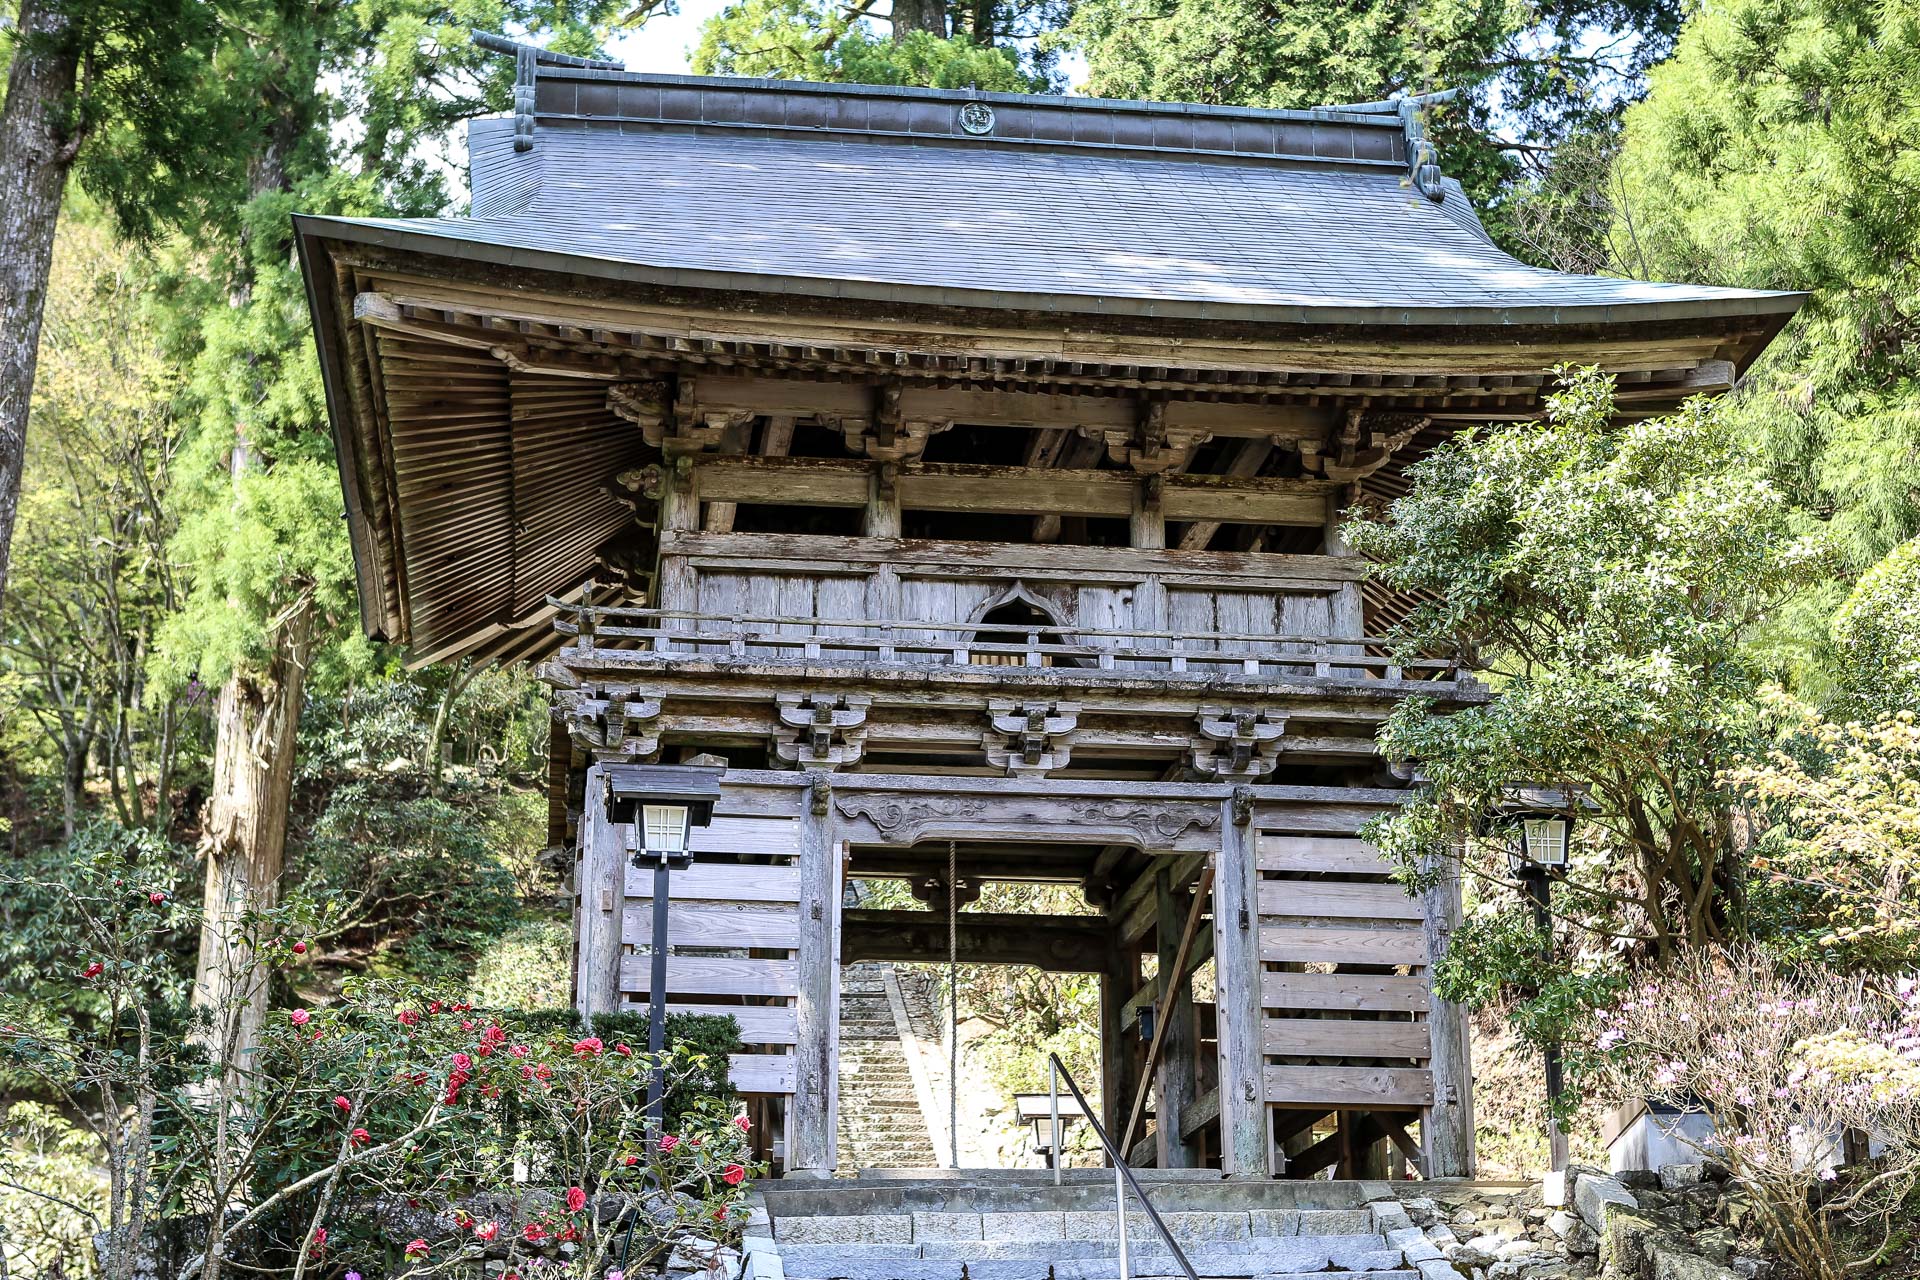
1122 1172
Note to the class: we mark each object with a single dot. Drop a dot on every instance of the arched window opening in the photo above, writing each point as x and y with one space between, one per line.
997 628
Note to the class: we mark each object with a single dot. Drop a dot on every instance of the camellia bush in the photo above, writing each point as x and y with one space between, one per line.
1787 1060
392 1134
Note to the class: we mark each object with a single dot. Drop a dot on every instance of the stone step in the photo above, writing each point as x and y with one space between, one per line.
1093 1260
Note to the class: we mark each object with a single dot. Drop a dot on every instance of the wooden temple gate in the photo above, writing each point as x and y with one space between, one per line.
1321 1014
1024 537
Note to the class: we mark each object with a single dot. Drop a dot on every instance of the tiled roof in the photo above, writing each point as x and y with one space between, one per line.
1065 205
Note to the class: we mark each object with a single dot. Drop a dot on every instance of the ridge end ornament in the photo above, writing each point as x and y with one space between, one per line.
977 119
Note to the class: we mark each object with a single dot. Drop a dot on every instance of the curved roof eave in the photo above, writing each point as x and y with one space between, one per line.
394 234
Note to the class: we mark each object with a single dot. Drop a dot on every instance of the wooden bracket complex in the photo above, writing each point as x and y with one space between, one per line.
832 731
1238 744
1031 738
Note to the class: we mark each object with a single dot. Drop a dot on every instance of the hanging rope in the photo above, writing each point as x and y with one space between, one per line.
953 1009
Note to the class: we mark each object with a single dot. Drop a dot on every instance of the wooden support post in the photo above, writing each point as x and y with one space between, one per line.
814 1119
1236 958
1147 526
599 880
1117 1075
1446 1127
1174 1080
883 503
679 513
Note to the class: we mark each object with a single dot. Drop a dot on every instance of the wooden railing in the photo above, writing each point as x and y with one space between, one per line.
670 635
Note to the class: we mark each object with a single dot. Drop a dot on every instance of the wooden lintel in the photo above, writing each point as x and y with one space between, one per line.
1057 944
956 487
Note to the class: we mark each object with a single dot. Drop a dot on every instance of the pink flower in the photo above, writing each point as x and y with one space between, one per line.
156 897
486 1230
623 1051
93 970
733 1175
576 1199
416 1248
361 1137
409 1018
340 1101
493 1035
319 1237
433 1006
533 1233
519 1051
299 1017
461 1062
587 1048
745 1124
543 1072
669 1141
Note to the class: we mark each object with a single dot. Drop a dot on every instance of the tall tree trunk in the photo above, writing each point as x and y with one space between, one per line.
919 15
36 152
246 831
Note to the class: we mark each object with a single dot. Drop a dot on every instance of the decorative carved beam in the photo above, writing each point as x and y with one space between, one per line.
1365 442
1154 444
610 722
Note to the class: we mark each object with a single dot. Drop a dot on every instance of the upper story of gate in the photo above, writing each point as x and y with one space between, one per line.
785 401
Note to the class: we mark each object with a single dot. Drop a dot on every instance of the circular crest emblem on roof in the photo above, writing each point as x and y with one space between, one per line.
976 118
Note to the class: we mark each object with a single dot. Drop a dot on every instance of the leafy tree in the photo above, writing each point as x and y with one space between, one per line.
1779 148
1535 75
1876 638
1607 579
93 577
817 40
125 94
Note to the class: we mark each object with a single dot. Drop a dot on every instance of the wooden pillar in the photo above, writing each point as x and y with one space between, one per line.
813 1121
599 880
679 513
1446 1127
1173 1081
1118 1074
1236 958
883 502
1147 527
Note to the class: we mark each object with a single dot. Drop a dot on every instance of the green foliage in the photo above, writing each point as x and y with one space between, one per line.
1837 812
1543 73
528 966
1607 579
1876 637
816 40
50 1194
710 1038
1780 149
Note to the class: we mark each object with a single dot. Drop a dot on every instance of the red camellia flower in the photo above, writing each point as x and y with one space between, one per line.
299 948
361 1137
340 1101
486 1230
484 1049
623 1051
745 1124
416 1249
720 1215
543 1072
519 1051
632 1161
589 1047
461 1062
319 1237
433 1006
669 1141
733 1175
93 970
409 1018
299 1017
576 1199
156 897
533 1233
466 1024
571 1233
493 1035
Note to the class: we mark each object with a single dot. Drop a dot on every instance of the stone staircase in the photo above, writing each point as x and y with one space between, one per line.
881 1124
1017 1225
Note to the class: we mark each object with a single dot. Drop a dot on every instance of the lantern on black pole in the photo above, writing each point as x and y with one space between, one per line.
1541 824
660 805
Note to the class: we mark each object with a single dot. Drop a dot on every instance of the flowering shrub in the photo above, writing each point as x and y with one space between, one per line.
391 1135
1786 1061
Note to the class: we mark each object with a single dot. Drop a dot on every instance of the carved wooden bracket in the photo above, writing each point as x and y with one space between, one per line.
1152 446
889 435
1030 737
610 722
671 418
832 731
1366 441
1238 744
